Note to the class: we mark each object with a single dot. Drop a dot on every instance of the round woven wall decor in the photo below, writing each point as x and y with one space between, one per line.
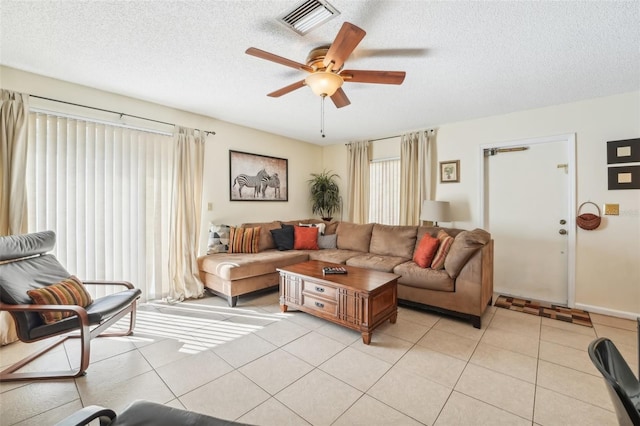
588 221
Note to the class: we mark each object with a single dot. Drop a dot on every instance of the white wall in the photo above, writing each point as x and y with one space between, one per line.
608 259
302 156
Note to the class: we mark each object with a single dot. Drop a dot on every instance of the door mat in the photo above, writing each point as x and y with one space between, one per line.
544 309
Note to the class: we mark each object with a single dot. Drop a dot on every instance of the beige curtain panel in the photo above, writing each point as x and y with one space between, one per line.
415 175
13 161
358 187
186 215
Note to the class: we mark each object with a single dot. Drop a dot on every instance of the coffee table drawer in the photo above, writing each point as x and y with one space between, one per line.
318 304
325 291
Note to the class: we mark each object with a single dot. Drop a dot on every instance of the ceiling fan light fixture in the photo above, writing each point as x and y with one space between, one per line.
324 83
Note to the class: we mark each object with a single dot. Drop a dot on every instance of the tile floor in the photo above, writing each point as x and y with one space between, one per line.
259 366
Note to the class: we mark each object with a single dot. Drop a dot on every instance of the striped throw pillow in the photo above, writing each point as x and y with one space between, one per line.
69 291
443 249
244 240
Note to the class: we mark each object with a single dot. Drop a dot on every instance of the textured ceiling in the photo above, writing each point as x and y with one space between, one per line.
463 59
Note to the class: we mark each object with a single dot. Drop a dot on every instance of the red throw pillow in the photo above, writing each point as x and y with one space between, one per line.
426 250
305 238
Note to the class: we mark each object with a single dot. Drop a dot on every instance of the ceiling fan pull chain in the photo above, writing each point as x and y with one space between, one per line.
322 116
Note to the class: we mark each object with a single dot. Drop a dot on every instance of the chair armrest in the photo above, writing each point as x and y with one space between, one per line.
77 310
85 415
126 284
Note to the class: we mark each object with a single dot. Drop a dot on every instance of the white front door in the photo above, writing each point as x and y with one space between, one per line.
527 196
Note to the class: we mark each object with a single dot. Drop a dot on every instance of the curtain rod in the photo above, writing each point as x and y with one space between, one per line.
121 114
390 137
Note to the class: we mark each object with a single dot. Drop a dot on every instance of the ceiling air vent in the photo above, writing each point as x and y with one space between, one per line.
308 15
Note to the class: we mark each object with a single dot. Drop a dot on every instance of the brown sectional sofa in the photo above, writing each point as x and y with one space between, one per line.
463 288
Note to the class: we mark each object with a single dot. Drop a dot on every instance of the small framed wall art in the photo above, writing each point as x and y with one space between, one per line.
450 171
623 151
255 177
624 177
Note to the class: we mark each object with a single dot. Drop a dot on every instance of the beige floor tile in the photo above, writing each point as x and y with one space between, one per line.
460 328
193 309
186 374
243 350
314 348
403 329
282 332
342 334
112 371
305 320
10 354
555 409
511 341
567 326
302 397
276 370
45 396
510 394
411 394
55 360
272 413
356 368
516 322
449 344
52 416
565 338
623 323
418 316
166 351
567 357
617 335
505 361
573 383
461 409
368 411
175 403
384 347
148 386
227 397
435 366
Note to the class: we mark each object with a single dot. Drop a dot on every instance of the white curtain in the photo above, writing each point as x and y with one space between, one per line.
105 191
415 175
358 186
13 158
186 214
384 192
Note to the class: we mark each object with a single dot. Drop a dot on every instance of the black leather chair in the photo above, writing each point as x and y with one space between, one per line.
143 413
622 385
26 265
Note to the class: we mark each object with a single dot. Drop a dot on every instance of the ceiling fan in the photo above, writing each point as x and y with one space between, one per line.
324 65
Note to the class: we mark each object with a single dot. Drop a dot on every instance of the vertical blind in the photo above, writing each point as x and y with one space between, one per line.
384 192
105 191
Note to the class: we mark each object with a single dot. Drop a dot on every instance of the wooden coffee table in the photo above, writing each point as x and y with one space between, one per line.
362 299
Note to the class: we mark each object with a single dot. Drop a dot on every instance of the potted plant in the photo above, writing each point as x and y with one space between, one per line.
325 194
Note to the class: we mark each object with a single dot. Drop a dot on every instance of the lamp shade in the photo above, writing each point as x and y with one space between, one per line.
324 83
434 211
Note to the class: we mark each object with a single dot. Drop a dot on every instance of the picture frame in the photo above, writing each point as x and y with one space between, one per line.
625 177
450 171
623 151
256 177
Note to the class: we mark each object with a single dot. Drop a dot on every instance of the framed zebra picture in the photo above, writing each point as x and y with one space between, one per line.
255 177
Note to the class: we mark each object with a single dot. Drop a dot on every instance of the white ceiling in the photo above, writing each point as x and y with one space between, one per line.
477 58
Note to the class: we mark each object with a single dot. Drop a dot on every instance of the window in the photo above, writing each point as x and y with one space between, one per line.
105 191
384 191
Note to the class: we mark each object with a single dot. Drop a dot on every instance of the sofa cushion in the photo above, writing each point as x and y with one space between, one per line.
283 237
235 266
414 276
305 238
266 239
354 236
327 241
376 262
244 240
330 228
426 250
464 246
333 255
69 291
390 240
443 249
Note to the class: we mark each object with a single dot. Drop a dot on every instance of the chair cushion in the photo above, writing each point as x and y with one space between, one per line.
18 246
69 291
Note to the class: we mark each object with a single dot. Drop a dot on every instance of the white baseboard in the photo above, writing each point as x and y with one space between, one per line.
607 311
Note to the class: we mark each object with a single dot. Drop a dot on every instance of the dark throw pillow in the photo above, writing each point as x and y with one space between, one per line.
283 237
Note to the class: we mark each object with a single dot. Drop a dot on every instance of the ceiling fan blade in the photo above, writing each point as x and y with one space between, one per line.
340 98
287 89
347 39
379 77
258 53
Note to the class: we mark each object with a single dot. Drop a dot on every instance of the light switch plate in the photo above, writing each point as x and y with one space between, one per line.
612 209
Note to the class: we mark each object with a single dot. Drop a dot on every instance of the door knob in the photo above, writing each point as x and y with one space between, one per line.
563 232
